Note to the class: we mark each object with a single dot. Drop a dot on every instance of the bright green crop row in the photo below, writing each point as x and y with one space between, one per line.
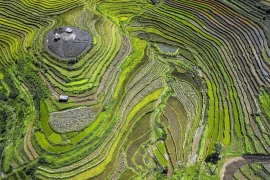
44 119
1 76
130 63
52 6
120 11
160 158
265 102
89 129
161 147
43 142
221 118
101 167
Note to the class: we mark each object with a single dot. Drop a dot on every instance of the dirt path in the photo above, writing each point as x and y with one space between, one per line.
170 168
28 147
233 164
28 153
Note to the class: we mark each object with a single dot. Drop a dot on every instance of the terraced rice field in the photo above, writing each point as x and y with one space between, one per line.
161 89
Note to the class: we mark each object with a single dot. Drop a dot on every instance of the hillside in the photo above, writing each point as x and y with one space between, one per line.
125 89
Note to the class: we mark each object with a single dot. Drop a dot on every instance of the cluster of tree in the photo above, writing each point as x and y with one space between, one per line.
13 93
3 91
8 101
13 108
11 129
29 76
4 118
214 157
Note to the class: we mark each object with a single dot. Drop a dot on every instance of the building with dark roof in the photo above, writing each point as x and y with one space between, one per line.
57 36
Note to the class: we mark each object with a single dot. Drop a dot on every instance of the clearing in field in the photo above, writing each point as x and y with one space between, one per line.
67 42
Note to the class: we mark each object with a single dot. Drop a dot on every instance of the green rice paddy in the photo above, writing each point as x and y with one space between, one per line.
166 84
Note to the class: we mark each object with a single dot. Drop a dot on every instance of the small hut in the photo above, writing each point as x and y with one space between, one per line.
69 30
56 36
63 98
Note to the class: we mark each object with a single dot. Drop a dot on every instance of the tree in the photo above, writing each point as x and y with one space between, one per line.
214 157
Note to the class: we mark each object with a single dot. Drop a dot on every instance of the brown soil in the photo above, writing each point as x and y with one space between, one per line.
28 147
